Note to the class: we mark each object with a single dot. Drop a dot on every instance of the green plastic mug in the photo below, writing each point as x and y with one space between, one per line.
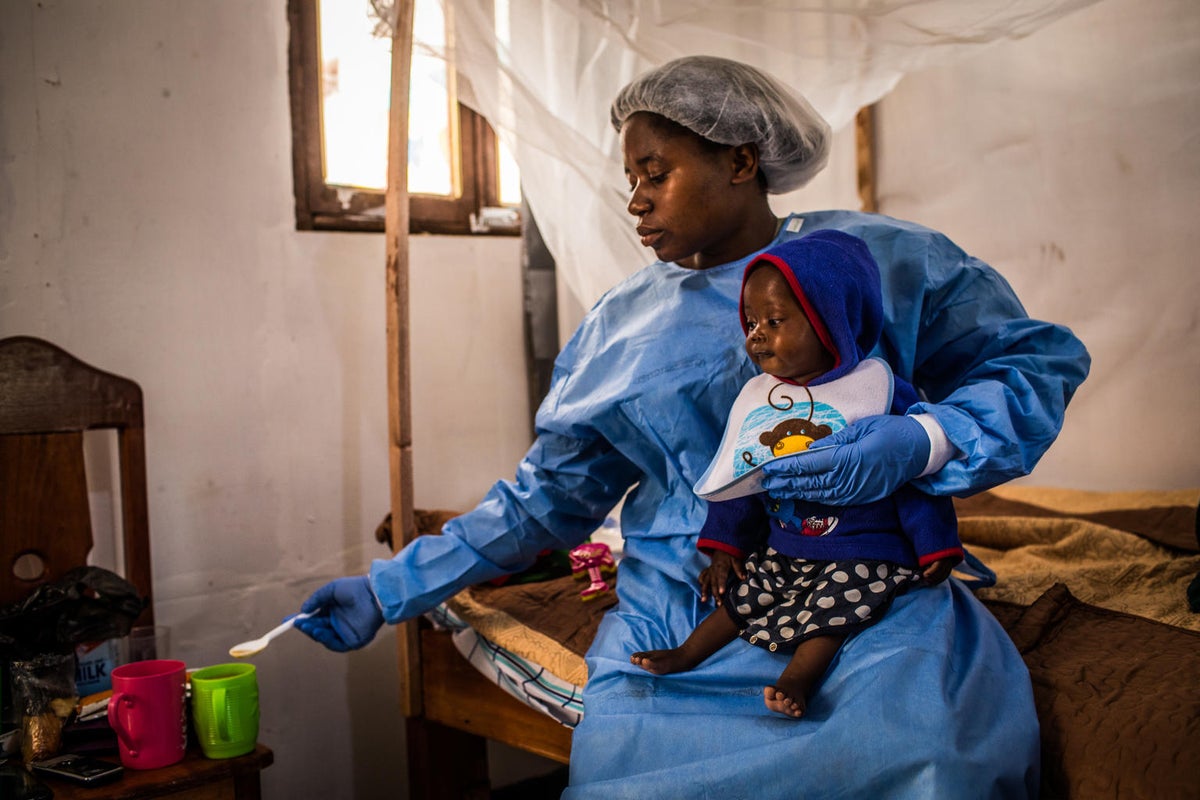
225 709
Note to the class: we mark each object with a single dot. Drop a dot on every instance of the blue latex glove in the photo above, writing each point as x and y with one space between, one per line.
863 462
346 614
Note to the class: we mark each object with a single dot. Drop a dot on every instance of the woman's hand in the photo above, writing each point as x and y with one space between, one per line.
714 577
863 462
346 614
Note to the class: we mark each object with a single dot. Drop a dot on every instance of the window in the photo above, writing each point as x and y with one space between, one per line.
340 84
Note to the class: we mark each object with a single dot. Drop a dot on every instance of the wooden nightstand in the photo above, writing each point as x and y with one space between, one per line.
194 778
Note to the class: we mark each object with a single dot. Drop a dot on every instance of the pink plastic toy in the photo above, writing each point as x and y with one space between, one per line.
596 560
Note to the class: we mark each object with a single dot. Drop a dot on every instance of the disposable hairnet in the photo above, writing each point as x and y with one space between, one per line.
732 103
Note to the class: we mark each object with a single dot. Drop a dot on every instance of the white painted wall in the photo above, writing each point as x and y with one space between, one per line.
146 225
1069 162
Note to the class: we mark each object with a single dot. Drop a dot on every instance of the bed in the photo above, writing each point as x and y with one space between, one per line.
1096 590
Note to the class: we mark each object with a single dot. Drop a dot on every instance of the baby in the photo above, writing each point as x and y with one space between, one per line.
795 576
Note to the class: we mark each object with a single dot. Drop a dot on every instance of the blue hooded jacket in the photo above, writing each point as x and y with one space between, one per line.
835 280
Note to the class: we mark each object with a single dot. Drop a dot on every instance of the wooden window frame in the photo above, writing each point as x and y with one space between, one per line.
320 206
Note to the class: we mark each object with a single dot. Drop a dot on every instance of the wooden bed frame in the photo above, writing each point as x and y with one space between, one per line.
451 710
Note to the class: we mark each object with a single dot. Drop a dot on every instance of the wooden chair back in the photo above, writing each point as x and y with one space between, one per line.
48 398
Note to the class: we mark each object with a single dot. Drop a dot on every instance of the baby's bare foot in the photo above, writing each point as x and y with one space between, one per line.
662 662
780 699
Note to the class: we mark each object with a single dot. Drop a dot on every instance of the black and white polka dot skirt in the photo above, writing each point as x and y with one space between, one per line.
784 600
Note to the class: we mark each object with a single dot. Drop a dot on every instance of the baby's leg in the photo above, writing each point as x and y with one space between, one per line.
713 633
790 693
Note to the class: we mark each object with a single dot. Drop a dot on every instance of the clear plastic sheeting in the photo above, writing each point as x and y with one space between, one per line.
543 72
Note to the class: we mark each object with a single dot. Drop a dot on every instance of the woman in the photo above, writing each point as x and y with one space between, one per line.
639 399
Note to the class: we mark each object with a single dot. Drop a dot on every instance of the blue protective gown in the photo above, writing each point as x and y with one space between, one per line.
933 701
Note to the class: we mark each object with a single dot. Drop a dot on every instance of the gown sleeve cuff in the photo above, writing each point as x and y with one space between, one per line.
709 545
950 552
940 448
375 596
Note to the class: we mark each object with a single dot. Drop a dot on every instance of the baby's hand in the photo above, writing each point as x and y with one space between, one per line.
938 571
714 577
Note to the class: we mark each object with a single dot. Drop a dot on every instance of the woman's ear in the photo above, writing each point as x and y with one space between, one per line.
745 162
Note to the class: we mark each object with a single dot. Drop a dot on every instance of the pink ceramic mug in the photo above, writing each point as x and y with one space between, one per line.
147 712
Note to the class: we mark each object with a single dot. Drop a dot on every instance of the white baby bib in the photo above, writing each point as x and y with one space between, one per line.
771 418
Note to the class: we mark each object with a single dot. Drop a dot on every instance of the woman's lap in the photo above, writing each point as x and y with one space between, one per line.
933 701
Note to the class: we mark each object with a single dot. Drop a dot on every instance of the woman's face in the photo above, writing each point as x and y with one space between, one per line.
682 194
780 338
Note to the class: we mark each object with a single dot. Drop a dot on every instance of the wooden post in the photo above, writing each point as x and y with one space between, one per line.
396 224
864 141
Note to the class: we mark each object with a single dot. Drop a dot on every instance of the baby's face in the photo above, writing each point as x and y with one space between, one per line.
780 339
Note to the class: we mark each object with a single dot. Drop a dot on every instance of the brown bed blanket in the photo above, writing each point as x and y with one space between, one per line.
546 622
1134 552
1117 696
1092 589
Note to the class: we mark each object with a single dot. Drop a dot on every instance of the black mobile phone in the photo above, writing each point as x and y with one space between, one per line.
79 769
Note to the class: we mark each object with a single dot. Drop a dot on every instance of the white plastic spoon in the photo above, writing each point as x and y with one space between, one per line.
257 645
